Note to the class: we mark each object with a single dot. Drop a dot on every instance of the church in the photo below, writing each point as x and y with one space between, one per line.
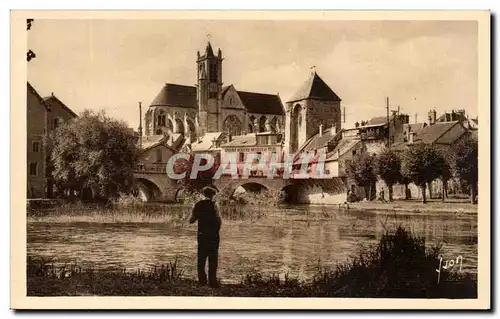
188 113
211 107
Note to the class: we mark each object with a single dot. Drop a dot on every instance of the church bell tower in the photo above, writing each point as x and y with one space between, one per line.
209 90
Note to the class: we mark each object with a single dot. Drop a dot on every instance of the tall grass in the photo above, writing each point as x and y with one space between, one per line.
128 209
398 267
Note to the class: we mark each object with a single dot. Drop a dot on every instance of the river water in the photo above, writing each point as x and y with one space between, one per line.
291 240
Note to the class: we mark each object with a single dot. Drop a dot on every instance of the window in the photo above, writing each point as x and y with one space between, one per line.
212 95
353 153
213 73
242 157
159 157
230 101
36 147
162 119
56 123
33 169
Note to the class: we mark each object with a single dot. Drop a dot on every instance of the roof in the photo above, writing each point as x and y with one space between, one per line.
451 117
176 95
150 141
377 121
206 142
50 100
343 147
317 141
224 89
415 127
31 89
261 103
315 88
242 140
474 134
431 133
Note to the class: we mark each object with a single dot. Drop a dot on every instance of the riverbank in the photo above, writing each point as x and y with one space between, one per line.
451 206
400 266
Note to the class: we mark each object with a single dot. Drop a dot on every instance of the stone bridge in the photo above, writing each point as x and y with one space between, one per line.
156 186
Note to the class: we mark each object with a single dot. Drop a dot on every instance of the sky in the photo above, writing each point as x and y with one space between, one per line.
112 64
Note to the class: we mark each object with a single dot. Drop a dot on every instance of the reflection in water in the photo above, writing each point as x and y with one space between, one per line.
293 241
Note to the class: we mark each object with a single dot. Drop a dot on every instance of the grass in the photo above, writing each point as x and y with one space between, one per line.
400 266
128 210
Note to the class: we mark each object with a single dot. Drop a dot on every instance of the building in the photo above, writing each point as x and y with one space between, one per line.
57 115
53 113
456 115
36 128
267 146
313 105
211 107
382 131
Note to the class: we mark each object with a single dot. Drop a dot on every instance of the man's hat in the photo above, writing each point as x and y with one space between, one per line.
209 191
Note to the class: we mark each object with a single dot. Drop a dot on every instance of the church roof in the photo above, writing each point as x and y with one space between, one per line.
176 95
261 103
209 51
315 88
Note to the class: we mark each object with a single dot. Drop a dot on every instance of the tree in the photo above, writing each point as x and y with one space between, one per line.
94 153
388 167
465 164
444 164
422 163
361 169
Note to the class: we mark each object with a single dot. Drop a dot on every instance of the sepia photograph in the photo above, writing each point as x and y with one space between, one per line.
313 160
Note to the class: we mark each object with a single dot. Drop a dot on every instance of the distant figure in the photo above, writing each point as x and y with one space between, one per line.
381 196
207 214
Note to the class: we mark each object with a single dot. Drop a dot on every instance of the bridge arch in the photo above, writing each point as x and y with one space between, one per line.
254 187
146 190
291 194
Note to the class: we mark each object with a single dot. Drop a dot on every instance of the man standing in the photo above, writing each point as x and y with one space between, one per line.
207 214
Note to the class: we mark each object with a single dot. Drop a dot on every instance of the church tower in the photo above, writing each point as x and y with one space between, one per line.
209 93
314 105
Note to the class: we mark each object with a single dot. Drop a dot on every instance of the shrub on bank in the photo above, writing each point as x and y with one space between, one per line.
398 267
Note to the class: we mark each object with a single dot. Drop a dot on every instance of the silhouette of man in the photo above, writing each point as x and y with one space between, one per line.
206 212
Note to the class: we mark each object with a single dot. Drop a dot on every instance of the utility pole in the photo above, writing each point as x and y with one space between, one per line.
416 118
140 125
388 122
344 114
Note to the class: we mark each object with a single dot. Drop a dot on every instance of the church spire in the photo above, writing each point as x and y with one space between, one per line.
209 52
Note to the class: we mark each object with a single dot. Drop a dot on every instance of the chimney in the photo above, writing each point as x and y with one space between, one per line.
321 130
432 117
356 125
333 130
411 137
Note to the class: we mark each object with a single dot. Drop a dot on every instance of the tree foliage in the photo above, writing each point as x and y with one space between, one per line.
465 163
388 167
94 152
423 163
362 170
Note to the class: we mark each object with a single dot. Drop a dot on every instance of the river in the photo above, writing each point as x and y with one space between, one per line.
291 240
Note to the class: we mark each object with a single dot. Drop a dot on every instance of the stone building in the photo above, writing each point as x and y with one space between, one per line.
36 128
44 115
211 107
313 105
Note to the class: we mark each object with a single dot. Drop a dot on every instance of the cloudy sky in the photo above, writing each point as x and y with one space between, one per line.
113 64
